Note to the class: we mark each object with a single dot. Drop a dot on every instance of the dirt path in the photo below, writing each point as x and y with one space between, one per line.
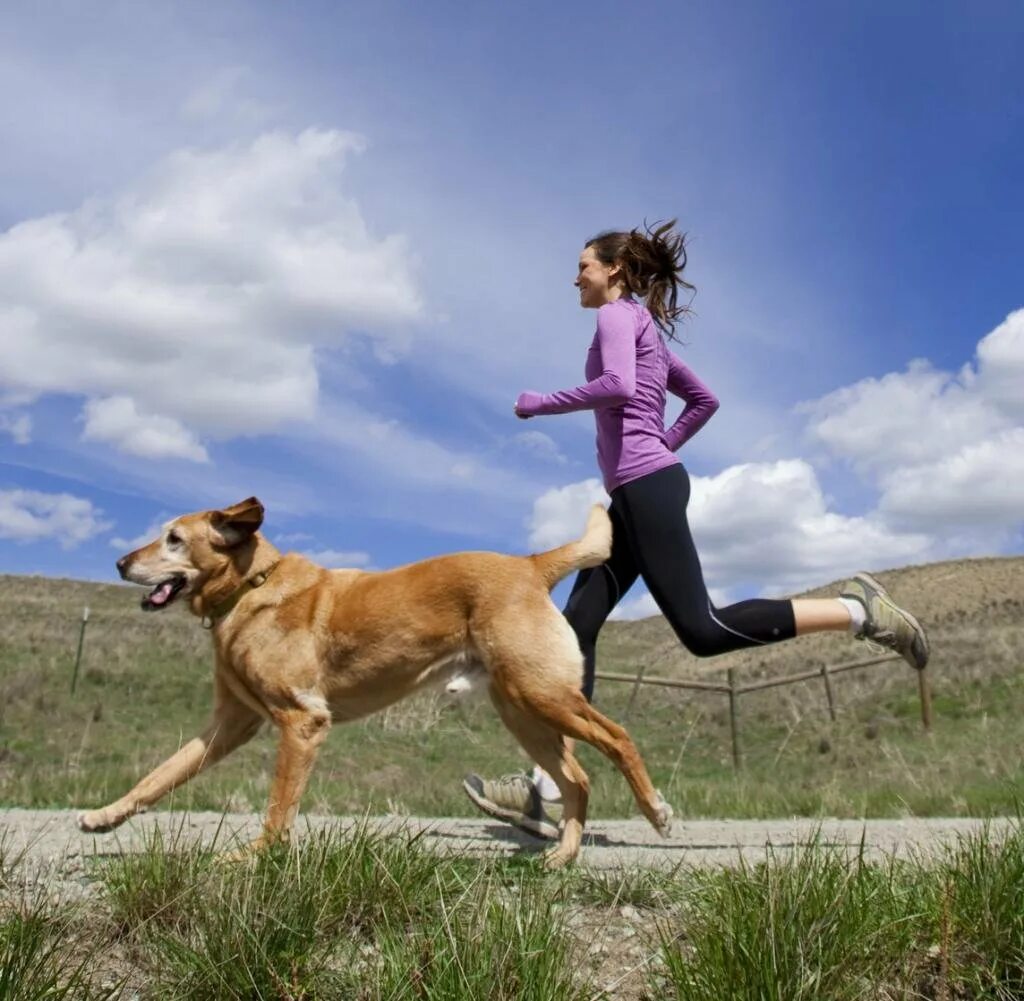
53 847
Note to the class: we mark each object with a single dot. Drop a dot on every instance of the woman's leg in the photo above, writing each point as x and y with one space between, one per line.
653 510
822 615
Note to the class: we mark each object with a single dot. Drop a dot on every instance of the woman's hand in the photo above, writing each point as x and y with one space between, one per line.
526 405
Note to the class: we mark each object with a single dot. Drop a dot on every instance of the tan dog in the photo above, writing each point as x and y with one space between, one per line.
303 647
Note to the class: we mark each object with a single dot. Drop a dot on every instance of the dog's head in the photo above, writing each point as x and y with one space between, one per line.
192 550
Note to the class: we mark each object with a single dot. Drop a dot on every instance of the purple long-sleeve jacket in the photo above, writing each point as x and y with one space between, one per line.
629 370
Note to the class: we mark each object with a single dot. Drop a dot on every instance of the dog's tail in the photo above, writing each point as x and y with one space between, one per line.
592 549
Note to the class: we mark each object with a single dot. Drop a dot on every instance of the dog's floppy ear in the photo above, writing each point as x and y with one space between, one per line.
236 524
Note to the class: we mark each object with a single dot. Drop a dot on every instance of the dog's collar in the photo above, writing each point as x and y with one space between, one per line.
209 620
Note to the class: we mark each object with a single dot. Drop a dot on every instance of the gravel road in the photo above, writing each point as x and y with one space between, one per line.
50 843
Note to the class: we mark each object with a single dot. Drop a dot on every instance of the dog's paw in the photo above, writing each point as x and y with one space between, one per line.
251 850
557 858
662 819
239 856
97 821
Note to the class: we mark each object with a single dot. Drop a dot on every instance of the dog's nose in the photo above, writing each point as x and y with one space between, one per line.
122 565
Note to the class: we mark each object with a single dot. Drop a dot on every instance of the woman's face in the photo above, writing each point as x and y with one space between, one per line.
597 282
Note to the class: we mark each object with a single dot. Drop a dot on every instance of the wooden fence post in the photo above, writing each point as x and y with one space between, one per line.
636 688
78 655
828 692
737 758
924 689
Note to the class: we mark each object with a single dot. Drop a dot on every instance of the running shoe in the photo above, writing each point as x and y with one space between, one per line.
515 799
885 623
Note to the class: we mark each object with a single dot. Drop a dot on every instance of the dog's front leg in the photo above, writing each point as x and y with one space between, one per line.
302 733
232 725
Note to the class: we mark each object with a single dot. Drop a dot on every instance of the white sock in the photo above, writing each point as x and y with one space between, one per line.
857 613
545 785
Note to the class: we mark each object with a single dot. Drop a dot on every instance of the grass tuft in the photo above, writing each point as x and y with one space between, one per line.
156 885
980 915
489 941
40 959
815 925
279 924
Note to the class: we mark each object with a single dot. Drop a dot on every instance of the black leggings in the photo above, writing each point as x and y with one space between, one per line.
651 539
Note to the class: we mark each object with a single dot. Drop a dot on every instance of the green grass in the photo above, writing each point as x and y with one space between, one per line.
483 943
981 915
156 887
42 957
818 925
340 914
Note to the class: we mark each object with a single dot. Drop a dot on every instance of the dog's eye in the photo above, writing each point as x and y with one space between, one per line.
173 539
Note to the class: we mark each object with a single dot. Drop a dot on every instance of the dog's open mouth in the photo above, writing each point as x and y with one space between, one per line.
164 593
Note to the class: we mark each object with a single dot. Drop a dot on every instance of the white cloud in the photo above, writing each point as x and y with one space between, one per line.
28 515
332 558
18 426
560 515
116 420
903 417
981 484
1001 366
202 294
946 451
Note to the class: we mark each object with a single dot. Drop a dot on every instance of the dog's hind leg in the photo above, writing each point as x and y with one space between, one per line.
551 751
571 714
536 663
232 725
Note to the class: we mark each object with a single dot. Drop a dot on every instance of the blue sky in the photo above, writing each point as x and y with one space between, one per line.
314 251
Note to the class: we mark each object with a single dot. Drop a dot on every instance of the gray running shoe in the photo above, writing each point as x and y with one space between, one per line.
886 623
513 798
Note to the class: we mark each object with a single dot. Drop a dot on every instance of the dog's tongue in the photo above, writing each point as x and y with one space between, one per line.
161 594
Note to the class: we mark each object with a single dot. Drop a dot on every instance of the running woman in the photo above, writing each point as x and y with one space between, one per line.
632 280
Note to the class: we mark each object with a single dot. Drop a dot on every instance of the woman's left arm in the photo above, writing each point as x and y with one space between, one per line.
616 340
701 403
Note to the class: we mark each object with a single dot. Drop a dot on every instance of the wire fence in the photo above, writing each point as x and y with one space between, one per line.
734 690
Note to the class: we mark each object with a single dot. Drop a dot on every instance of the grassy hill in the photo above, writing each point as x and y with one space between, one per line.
145 687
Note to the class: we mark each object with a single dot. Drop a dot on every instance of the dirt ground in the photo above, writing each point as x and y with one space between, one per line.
49 841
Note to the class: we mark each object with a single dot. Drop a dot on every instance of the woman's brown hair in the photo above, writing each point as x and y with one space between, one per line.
652 263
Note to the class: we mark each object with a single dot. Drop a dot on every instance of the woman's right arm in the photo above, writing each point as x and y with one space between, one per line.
701 403
616 340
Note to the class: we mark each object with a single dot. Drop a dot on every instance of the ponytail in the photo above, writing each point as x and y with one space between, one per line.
652 263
